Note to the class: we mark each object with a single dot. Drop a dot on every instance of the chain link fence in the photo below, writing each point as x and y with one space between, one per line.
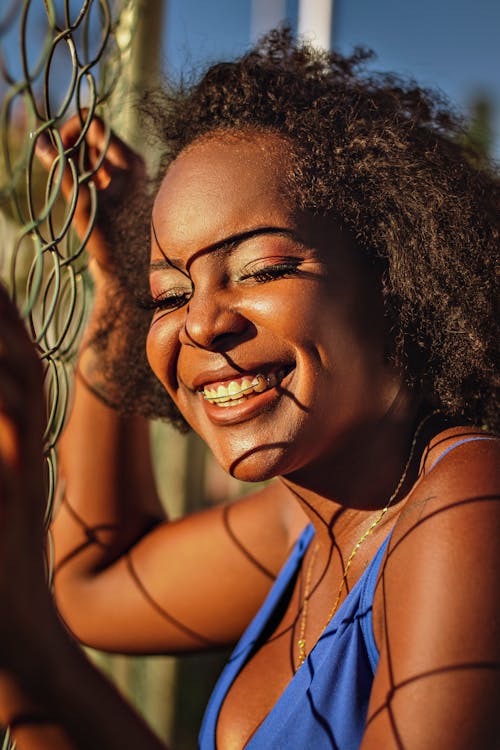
59 58
56 60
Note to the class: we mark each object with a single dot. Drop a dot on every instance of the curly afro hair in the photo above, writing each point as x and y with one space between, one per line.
390 162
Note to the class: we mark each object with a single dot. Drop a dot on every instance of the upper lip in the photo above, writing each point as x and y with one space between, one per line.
226 373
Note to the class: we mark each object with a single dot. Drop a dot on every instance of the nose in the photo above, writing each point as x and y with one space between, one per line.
212 323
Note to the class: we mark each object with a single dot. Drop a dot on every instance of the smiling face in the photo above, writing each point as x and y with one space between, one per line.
268 331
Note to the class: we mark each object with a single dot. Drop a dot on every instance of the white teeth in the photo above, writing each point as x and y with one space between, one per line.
233 402
236 391
233 388
246 384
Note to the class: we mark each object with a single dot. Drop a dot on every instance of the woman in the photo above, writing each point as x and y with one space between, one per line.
321 310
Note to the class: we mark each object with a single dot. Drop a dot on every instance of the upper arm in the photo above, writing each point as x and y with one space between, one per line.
185 585
438 679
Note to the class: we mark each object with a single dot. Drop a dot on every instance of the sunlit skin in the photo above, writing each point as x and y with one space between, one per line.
248 290
244 283
221 219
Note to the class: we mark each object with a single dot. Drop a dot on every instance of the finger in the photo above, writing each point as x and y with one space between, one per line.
47 154
99 139
107 156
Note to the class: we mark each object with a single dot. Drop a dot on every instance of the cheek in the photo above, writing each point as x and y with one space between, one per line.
162 351
291 312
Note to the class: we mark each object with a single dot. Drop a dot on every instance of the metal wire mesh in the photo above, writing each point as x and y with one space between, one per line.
57 58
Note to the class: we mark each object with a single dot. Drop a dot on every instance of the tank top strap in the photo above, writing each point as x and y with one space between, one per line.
369 583
471 439
370 579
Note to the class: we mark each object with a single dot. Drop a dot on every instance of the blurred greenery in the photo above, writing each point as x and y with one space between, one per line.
479 134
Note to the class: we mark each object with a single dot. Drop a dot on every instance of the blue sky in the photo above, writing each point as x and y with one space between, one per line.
450 44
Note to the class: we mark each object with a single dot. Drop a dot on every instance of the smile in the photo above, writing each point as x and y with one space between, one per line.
239 390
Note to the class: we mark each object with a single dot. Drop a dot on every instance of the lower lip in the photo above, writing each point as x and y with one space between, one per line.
250 407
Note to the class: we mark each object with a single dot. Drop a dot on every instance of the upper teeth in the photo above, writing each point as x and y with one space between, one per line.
236 389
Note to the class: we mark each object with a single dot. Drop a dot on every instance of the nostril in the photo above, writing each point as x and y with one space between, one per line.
226 340
213 327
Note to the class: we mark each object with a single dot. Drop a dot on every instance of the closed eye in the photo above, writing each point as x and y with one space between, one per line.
168 301
269 272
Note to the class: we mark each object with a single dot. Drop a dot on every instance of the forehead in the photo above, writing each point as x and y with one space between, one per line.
222 186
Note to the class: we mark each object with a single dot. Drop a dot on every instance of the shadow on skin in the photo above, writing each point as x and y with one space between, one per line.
394 687
91 535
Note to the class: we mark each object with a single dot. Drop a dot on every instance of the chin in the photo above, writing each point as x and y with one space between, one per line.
257 464
246 473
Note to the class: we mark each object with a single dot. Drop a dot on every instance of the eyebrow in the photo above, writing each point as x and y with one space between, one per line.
228 243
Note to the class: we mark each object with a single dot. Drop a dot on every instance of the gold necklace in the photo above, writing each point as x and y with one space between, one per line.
301 642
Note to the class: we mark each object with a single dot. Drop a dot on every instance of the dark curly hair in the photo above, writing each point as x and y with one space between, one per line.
389 161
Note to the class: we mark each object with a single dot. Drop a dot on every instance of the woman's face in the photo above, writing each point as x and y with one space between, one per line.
269 332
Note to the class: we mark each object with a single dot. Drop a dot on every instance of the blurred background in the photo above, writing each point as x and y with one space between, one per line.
59 55
450 44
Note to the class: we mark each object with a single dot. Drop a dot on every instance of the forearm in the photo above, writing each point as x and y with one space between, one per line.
107 481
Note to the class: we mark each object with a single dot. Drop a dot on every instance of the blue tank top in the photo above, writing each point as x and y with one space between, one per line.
324 706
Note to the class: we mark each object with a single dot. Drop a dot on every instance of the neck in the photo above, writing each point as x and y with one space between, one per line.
342 490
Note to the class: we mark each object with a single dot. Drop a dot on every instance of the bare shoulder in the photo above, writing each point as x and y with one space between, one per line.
450 523
452 516
437 610
463 454
459 479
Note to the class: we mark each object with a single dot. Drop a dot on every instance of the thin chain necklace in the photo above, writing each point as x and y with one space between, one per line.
301 642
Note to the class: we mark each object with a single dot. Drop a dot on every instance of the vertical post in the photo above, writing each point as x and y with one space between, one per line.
266 14
139 34
315 21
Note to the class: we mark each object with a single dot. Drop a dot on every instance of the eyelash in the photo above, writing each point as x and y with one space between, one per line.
271 272
170 302
166 301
